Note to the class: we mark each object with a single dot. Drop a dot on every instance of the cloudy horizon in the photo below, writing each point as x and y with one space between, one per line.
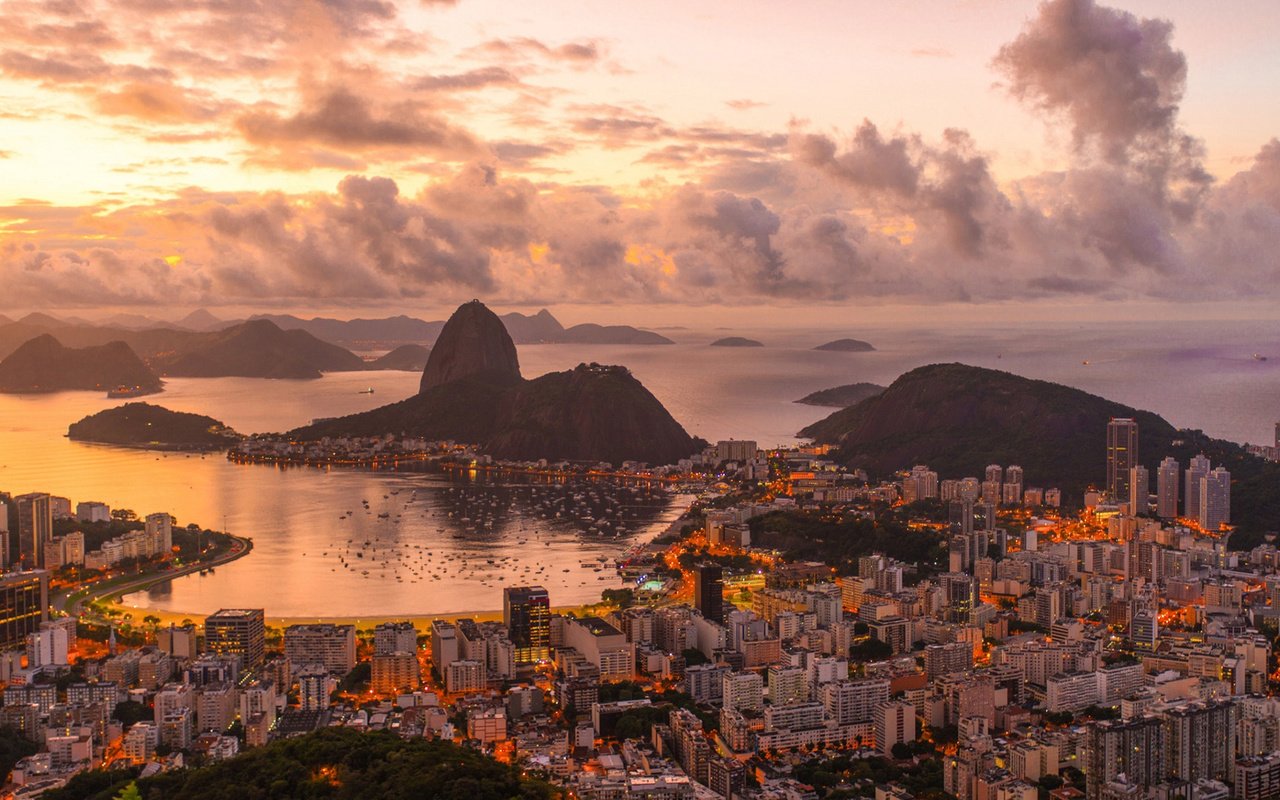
357 154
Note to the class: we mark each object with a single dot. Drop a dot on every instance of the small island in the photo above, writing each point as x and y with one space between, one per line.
736 341
847 346
153 427
842 396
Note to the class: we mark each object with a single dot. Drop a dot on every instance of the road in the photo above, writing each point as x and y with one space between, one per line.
70 602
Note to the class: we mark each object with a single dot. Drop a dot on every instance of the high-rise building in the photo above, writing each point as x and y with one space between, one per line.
708 591
395 637
24 604
1122 456
1197 469
526 612
237 632
1139 490
159 529
332 646
1167 480
35 527
444 645
4 533
895 724
1013 485
920 484
1201 740
1134 748
1215 499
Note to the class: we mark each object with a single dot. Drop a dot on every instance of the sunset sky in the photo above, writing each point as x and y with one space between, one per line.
296 154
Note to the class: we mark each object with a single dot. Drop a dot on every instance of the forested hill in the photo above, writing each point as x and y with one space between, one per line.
337 763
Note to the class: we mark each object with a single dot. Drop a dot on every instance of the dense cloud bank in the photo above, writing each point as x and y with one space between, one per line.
803 215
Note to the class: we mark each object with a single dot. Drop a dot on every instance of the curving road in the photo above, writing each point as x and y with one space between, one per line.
63 602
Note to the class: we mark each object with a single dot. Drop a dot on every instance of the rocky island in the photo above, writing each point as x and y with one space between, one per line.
846 346
842 396
150 426
472 391
736 341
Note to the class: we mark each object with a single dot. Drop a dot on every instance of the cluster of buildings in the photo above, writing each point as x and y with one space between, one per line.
341 450
32 544
193 688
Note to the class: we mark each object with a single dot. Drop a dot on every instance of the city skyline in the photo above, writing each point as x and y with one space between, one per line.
450 151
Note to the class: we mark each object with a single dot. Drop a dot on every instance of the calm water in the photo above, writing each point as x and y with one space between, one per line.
1195 374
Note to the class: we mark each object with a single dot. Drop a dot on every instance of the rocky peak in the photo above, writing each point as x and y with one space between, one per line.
473 343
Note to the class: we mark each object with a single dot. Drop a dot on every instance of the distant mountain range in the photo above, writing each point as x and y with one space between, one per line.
539 328
957 419
257 349
472 391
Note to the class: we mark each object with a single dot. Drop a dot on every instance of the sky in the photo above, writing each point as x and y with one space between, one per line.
366 154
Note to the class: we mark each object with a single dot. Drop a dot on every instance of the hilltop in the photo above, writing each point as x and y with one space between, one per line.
958 419
143 424
43 364
472 391
406 357
257 349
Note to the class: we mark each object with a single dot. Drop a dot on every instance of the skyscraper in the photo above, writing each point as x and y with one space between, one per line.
1197 469
24 604
237 632
526 611
4 534
1167 480
1215 499
1139 490
35 527
1122 456
708 591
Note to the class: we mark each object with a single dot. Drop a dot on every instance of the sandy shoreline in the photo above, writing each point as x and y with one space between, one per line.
420 621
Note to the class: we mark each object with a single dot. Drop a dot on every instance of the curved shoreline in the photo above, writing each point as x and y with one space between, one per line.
241 548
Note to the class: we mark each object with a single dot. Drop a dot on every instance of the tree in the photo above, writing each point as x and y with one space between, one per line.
130 792
902 751
622 598
129 712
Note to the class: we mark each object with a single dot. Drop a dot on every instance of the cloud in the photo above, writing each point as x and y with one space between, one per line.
340 118
473 79
1116 78
744 104
164 103
580 52
77 68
